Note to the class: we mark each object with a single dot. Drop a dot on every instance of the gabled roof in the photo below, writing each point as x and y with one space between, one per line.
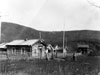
15 42
23 42
30 42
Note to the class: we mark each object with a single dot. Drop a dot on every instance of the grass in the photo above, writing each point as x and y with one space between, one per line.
83 66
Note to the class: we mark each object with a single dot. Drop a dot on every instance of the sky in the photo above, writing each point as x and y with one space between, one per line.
52 15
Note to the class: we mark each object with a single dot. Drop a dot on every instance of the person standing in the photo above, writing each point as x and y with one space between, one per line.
74 57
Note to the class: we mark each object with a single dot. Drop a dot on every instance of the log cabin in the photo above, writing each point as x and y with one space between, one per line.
33 48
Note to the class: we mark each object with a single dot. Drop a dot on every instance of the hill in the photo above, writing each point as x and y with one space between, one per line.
12 31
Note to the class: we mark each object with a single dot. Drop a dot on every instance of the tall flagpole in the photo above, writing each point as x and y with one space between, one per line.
64 34
0 28
40 35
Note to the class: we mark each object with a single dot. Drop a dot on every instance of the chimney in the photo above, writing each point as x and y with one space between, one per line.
26 39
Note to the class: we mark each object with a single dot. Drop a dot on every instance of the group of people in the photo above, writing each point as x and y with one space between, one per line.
51 52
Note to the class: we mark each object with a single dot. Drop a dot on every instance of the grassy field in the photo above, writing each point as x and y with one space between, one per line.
83 66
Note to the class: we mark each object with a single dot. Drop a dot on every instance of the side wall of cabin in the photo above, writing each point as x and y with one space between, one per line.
21 50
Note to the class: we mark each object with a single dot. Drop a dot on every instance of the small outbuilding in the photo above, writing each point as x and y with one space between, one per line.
83 48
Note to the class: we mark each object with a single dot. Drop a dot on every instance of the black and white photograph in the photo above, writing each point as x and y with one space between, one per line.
49 37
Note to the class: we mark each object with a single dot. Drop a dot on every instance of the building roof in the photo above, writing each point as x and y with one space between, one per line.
30 42
23 42
83 45
3 45
15 42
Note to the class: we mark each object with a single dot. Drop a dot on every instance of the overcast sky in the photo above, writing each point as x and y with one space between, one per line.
51 15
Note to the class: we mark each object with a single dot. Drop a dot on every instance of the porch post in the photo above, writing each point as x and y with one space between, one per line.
12 51
21 51
15 51
24 51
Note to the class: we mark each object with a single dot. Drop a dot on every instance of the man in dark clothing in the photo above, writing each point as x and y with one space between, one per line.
74 57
